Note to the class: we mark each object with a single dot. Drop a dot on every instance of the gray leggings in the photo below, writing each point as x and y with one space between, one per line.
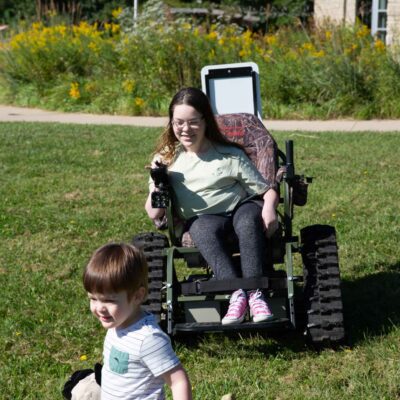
210 233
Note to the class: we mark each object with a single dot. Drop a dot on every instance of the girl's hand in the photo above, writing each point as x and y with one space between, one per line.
270 219
269 216
157 159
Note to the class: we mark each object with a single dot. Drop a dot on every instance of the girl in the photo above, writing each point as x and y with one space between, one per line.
213 183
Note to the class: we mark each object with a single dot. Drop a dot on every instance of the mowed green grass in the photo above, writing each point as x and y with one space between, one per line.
67 189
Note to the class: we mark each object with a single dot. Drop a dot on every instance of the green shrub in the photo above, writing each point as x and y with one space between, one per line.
122 67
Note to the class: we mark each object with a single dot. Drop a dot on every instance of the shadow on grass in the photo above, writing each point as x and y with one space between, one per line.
371 304
246 344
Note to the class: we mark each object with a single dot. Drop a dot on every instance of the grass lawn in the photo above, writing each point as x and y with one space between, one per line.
67 189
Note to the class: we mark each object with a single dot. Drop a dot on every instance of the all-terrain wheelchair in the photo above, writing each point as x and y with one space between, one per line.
310 302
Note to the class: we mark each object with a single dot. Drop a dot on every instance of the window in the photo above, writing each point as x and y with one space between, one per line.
379 19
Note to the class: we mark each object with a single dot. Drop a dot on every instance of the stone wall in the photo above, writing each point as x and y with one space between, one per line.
337 11
393 22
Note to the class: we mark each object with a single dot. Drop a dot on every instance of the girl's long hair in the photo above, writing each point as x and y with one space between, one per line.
195 98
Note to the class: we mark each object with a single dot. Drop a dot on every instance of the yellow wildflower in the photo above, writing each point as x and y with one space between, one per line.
244 53
83 357
86 29
212 35
37 26
379 45
363 31
117 12
247 36
308 46
267 56
139 101
83 27
93 46
128 85
350 49
348 350
270 39
74 91
115 28
318 54
328 35
61 29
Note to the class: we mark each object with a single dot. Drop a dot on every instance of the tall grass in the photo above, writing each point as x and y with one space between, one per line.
67 189
117 67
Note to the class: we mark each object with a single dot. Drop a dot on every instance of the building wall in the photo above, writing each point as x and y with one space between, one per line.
393 22
337 11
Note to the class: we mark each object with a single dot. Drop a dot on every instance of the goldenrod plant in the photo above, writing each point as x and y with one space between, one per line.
127 67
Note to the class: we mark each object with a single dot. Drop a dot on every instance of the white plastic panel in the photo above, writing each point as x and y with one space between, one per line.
232 88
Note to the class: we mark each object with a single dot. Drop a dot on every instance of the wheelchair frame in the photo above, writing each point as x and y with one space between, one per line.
310 303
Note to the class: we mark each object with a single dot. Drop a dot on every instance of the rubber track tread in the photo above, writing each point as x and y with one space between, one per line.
153 244
322 292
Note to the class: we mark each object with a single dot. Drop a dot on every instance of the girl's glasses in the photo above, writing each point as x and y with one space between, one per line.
192 123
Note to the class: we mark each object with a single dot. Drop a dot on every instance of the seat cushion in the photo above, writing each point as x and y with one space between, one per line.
260 146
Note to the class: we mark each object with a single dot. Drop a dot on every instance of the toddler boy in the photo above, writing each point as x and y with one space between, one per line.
138 356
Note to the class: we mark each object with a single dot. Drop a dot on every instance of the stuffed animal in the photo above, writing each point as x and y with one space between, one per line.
84 385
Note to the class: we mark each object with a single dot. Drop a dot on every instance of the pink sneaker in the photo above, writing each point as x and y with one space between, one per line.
237 308
259 309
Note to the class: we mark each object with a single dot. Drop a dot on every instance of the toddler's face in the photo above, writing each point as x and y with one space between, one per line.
114 310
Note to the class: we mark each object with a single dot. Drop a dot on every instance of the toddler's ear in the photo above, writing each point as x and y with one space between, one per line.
140 295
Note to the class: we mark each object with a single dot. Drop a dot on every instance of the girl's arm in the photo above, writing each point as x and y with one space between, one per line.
253 182
179 383
271 201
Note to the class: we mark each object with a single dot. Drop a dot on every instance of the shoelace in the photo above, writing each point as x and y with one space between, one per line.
235 304
258 302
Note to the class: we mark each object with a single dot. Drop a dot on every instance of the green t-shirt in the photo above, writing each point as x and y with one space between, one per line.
213 182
